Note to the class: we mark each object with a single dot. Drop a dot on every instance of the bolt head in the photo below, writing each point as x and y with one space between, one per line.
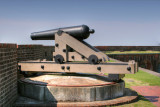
62 67
72 57
68 67
64 50
128 68
99 68
56 44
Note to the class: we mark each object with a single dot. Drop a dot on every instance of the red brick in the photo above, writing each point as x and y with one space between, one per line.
152 93
8 74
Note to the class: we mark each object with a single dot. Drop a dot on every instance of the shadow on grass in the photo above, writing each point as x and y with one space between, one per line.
130 92
152 98
140 97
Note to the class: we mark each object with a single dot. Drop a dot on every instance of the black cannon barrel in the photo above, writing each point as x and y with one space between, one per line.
79 32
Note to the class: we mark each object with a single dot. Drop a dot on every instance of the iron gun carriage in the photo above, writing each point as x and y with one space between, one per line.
73 54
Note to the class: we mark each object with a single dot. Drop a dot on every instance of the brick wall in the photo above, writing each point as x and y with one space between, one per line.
128 48
8 74
48 52
149 61
30 52
35 52
9 55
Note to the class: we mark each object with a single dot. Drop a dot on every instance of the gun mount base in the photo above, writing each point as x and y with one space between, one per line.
70 88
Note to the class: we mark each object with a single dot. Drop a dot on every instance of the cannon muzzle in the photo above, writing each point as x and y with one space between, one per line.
79 32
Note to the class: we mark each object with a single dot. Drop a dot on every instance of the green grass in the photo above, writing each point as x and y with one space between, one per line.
130 52
141 78
111 61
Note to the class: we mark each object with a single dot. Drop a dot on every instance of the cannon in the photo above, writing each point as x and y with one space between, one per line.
79 32
73 54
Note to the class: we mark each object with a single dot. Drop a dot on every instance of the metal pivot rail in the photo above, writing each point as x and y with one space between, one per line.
72 54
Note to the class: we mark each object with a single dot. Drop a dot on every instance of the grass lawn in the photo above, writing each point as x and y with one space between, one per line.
130 52
141 78
111 61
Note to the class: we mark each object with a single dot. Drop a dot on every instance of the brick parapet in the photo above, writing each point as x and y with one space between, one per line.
128 48
8 74
48 52
149 61
35 52
30 52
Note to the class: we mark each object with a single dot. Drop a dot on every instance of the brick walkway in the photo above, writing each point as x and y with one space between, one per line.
152 93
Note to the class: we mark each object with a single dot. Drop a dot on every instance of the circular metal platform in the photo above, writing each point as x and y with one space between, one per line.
78 88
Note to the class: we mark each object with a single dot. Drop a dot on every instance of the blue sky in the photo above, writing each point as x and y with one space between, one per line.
116 22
